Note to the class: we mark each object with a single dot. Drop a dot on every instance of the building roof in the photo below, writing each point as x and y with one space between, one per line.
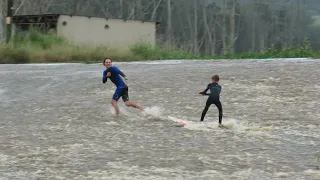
37 18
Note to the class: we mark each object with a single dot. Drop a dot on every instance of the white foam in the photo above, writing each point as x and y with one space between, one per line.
112 123
153 62
285 59
3 158
230 123
48 64
154 112
282 175
2 91
313 173
190 108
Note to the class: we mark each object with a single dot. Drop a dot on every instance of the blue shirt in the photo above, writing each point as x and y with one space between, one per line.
115 76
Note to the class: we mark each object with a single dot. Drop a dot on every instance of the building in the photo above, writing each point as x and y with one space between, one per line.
94 31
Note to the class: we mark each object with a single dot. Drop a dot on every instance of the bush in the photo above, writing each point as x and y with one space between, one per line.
10 55
160 52
36 47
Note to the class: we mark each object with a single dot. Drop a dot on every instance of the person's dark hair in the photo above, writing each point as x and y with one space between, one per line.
215 77
106 59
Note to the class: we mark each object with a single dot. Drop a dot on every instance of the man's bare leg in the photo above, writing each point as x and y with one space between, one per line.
135 105
115 105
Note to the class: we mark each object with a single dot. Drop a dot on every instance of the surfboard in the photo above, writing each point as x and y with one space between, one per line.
178 121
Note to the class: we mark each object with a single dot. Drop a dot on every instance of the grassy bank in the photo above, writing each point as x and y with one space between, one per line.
39 48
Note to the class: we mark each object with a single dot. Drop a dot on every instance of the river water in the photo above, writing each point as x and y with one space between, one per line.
57 121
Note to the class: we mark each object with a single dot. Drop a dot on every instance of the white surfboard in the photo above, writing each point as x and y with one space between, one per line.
180 122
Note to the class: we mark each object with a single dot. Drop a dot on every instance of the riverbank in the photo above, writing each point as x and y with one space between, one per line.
40 48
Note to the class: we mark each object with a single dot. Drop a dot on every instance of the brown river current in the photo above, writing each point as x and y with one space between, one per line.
56 121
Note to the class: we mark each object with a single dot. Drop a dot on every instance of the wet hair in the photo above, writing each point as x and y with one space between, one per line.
106 59
215 77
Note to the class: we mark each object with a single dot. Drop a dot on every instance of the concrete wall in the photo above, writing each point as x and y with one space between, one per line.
92 31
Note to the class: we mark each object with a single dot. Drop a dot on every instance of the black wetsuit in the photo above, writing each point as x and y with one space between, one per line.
214 98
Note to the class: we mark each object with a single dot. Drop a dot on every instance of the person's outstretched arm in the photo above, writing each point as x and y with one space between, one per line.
205 91
104 76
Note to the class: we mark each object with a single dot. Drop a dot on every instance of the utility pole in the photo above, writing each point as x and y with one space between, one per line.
169 24
9 19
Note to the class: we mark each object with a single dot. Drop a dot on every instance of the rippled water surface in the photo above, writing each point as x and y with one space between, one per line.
56 121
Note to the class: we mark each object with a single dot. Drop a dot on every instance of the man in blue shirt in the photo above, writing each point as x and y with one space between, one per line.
114 74
214 97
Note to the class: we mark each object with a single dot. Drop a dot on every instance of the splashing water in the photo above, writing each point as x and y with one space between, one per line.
155 112
60 125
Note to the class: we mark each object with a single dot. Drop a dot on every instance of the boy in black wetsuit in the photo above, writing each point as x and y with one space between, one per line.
214 98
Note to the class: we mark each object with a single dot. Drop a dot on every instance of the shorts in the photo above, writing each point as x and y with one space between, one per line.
121 92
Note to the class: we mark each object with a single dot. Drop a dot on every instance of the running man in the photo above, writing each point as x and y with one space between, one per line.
114 74
214 97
